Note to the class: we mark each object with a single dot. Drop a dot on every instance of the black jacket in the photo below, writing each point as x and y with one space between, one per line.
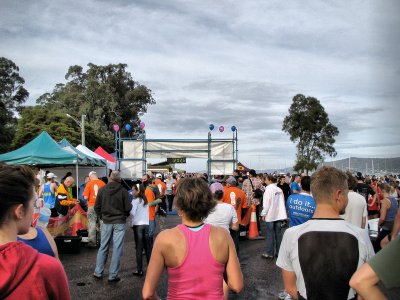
112 204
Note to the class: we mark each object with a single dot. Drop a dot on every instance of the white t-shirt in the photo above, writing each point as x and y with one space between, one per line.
356 209
324 254
222 216
273 204
139 213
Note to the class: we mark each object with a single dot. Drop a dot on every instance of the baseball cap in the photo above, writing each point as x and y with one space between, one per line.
231 180
216 186
92 173
51 175
158 175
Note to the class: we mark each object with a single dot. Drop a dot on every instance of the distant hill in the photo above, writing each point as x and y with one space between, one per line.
368 166
380 166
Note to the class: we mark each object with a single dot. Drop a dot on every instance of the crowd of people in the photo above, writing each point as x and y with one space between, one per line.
316 228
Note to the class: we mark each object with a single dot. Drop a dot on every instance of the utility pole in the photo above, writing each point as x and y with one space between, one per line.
81 125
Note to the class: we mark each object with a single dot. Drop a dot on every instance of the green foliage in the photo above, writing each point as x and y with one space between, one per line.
7 129
34 120
107 95
12 95
308 125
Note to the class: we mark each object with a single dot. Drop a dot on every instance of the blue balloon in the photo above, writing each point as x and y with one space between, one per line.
233 128
128 127
211 126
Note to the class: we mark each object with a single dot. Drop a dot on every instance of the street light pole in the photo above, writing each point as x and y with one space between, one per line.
81 126
83 129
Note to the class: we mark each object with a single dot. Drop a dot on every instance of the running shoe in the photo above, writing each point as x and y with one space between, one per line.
284 296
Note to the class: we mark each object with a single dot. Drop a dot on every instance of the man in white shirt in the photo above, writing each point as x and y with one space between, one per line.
274 214
356 209
319 257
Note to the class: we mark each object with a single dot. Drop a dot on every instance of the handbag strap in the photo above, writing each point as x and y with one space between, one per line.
252 186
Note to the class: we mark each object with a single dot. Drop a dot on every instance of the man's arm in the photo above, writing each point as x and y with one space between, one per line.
98 203
364 216
289 282
365 281
266 204
154 202
53 187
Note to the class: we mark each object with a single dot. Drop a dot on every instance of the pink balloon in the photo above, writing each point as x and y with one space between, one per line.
116 127
142 125
221 128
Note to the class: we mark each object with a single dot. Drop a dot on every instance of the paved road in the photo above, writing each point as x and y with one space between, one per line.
262 277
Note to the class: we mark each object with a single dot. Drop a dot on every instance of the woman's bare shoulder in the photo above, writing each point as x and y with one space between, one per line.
220 234
169 236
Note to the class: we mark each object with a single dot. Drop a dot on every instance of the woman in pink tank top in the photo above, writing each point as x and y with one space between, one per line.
195 254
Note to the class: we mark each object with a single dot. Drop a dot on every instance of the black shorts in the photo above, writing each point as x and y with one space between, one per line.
373 212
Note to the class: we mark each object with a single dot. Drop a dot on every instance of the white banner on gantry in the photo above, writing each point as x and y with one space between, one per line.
132 169
132 149
222 168
220 150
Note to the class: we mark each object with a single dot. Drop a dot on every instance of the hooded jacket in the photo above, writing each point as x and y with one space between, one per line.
27 274
112 204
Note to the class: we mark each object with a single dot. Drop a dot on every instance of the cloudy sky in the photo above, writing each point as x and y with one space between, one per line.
227 63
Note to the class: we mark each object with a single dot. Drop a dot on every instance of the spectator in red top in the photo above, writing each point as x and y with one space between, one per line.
24 272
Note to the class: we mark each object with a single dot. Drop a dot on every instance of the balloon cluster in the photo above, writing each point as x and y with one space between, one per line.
221 128
128 127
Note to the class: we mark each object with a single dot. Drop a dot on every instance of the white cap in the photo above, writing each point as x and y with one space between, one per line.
92 173
158 175
51 175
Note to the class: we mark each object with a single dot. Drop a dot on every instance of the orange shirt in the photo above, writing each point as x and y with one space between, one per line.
162 187
150 198
231 196
91 190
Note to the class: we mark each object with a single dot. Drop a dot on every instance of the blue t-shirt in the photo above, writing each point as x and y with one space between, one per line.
295 187
300 208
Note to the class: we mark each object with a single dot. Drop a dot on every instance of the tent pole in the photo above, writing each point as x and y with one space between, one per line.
77 180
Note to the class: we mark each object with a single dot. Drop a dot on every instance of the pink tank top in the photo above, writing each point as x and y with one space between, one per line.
200 275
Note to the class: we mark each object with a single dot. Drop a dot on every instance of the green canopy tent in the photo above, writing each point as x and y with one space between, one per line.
41 151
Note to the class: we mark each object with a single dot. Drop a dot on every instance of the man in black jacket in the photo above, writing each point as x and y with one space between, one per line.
113 207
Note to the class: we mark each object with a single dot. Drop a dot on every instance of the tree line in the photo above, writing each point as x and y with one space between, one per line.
109 95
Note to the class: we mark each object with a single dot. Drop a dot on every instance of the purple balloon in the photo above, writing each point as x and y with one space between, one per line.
116 127
142 125
221 128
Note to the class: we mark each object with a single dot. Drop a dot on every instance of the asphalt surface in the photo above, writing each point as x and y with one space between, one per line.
262 277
